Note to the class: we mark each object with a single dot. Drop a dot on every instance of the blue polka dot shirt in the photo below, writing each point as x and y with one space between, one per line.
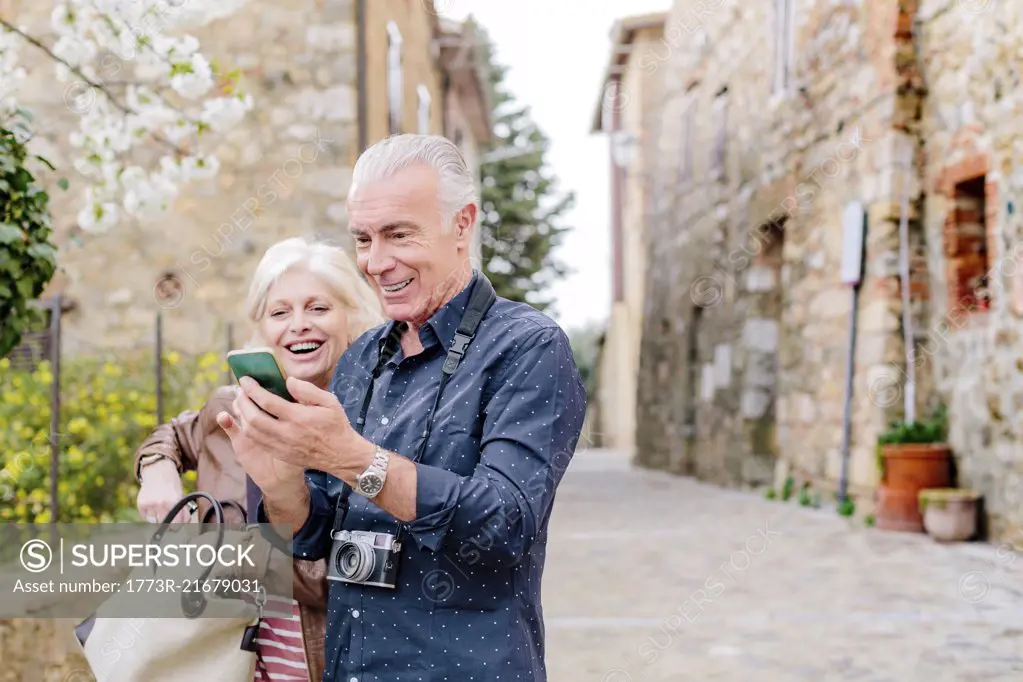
466 605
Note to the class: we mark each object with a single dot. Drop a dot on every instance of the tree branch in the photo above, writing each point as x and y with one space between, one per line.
124 108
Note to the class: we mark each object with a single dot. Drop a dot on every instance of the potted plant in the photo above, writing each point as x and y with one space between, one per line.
950 514
912 456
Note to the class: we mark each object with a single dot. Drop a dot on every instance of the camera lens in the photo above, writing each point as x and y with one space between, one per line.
354 561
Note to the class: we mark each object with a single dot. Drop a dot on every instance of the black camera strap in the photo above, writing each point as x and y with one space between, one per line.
480 300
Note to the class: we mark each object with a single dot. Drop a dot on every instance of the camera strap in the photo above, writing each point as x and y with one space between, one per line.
480 300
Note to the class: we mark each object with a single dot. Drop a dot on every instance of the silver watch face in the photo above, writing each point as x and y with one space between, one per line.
370 484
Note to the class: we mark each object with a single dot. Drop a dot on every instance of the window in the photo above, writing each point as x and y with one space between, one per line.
784 43
395 78
423 112
966 247
721 143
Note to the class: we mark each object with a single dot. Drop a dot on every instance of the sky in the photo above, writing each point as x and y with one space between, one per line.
556 52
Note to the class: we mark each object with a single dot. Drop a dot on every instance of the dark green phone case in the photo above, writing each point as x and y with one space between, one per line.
263 367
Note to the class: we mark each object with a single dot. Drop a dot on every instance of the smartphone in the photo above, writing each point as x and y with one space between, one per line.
260 364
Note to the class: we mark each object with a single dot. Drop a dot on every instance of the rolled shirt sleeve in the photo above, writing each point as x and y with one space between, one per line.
530 432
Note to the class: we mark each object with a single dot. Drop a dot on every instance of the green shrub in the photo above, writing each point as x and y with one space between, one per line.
108 407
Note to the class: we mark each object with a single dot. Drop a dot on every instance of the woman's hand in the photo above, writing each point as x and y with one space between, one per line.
161 490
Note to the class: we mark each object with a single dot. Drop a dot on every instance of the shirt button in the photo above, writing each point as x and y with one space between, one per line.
384 420
355 613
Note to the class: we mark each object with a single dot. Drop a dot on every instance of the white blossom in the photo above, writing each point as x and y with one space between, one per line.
163 96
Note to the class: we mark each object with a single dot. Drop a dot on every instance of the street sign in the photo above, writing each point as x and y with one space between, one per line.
853 232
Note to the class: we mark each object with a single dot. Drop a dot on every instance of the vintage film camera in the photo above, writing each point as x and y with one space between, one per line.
364 558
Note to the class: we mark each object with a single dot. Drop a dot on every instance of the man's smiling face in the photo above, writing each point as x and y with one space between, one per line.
402 243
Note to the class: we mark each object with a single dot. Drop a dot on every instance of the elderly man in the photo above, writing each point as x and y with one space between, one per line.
442 442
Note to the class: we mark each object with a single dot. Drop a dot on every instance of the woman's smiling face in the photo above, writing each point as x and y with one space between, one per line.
306 326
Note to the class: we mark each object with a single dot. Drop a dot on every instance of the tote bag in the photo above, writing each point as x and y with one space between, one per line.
218 646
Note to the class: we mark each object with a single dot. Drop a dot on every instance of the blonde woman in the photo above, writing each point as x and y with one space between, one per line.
307 302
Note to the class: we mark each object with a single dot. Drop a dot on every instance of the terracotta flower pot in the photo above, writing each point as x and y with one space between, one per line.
898 510
950 514
908 469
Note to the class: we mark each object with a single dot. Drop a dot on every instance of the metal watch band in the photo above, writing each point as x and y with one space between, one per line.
378 468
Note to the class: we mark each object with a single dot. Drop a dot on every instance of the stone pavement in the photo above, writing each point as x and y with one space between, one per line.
659 578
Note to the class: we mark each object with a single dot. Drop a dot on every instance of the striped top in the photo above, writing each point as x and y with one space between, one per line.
281 647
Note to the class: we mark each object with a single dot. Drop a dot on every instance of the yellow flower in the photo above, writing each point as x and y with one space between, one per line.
173 357
4 363
147 421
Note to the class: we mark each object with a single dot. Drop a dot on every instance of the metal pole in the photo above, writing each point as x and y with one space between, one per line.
159 367
55 312
850 370
909 394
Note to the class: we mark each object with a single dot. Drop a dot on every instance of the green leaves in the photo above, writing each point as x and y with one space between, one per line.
931 430
9 233
28 259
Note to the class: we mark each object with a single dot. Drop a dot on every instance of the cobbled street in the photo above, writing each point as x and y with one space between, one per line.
655 577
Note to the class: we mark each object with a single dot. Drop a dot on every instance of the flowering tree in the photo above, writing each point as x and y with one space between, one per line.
135 79
148 103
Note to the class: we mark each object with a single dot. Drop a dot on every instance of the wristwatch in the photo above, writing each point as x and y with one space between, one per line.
371 481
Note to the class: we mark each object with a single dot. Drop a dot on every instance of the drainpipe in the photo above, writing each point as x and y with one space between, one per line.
854 218
909 394
360 68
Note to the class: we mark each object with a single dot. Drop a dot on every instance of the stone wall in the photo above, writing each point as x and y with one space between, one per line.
746 329
972 127
746 326
285 172
632 107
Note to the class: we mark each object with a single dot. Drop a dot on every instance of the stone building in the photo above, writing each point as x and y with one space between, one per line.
626 112
778 119
328 78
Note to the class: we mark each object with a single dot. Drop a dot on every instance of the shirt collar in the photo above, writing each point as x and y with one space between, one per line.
442 324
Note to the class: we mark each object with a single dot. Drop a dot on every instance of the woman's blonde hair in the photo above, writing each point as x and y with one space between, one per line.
329 262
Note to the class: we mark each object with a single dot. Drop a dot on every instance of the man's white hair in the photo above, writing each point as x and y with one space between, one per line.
457 186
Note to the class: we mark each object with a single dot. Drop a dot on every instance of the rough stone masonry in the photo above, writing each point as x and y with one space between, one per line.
285 171
770 129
